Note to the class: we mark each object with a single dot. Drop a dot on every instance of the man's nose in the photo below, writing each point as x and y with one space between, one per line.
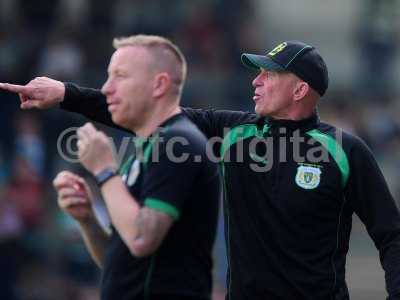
107 87
256 81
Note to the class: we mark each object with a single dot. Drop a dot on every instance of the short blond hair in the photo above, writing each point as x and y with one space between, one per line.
163 45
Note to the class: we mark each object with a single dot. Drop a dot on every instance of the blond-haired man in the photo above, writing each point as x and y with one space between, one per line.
159 246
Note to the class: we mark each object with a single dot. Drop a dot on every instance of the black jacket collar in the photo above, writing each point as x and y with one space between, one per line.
292 125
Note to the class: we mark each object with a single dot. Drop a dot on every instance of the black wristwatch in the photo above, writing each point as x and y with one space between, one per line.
105 175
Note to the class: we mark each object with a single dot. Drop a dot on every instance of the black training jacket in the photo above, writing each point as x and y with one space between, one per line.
291 188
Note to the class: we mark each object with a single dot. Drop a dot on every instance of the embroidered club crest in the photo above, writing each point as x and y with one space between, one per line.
308 177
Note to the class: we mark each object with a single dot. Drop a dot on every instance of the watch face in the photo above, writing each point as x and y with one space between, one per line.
133 173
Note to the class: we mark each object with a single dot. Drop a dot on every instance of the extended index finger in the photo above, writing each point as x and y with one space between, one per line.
15 88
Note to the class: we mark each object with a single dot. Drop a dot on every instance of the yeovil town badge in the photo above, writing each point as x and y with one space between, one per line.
308 177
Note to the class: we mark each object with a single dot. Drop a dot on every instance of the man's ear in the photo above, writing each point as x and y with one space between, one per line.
162 83
300 91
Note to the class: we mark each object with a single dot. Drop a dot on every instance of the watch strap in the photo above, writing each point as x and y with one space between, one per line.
105 175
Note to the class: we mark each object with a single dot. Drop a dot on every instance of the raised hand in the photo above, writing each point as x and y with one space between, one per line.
41 92
94 149
74 196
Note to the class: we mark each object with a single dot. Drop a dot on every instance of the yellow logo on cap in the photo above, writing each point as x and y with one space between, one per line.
277 49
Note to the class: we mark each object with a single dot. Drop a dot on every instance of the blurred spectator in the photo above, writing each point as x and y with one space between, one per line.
135 16
379 42
73 12
29 144
10 55
25 190
10 249
62 57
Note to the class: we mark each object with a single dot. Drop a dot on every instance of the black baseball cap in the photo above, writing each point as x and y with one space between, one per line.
296 57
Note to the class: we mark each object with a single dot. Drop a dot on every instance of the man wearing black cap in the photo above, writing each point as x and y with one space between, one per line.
292 183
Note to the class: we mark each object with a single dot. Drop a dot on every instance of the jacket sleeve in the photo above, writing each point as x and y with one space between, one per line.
91 103
215 123
88 102
369 194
